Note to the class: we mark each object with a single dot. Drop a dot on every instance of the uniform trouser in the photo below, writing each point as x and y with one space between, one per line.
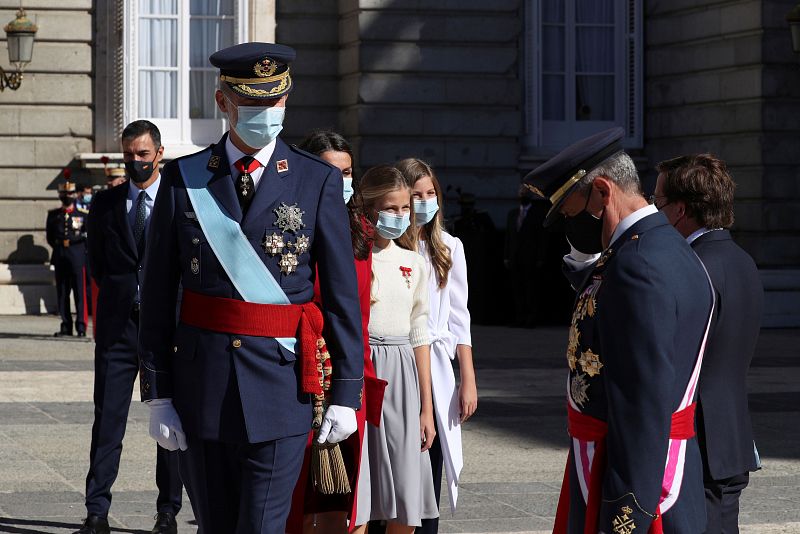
431 526
70 279
116 368
242 488
722 503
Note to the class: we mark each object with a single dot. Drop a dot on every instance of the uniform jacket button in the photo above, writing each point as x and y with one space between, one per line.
237 343
175 348
195 240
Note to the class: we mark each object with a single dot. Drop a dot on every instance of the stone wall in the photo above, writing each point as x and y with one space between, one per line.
43 125
437 80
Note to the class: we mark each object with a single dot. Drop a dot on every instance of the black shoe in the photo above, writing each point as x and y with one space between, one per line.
94 525
81 334
165 524
63 333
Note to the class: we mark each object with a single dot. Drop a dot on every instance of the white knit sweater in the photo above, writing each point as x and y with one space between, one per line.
400 303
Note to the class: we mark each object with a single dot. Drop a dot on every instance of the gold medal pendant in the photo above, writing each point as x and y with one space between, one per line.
288 263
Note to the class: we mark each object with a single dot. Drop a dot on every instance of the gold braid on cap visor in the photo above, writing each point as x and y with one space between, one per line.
567 186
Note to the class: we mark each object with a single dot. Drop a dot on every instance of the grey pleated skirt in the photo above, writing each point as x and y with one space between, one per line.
396 482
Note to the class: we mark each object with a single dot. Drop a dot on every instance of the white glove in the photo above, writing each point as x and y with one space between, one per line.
337 425
165 425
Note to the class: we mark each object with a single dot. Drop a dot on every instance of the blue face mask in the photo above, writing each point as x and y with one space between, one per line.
87 199
348 189
258 126
391 226
425 210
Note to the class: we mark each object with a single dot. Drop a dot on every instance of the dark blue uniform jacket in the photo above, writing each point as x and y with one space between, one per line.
637 329
239 388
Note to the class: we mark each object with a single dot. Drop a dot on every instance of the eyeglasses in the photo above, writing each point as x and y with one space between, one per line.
652 200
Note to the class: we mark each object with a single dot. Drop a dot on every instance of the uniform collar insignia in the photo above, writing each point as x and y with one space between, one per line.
282 165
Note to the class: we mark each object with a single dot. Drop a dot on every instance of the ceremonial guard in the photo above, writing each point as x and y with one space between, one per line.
243 227
635 350
118 235
66 234
696 194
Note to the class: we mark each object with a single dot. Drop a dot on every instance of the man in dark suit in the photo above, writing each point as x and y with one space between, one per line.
66 234
244 225
118 236
634 351
696 194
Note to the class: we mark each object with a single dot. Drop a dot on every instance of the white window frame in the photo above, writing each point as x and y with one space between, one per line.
547 136
182 134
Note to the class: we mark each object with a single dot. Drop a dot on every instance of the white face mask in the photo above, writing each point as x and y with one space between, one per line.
348 189
391 226
425 210
258 126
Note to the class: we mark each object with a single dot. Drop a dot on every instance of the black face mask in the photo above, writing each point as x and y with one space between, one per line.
140 171
66 200
585 231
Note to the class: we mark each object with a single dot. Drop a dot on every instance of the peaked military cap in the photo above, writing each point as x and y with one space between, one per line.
66 187
555 178
255 70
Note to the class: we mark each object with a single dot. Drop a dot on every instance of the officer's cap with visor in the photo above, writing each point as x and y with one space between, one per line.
556 178
255 70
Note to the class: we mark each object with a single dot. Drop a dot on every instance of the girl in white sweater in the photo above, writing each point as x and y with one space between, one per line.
400 487
449 329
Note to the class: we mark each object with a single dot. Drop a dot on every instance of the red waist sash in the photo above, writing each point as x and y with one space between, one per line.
586 428
230 316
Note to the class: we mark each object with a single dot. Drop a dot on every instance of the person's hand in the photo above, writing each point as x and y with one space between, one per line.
338 424
467 399
427 431
165 425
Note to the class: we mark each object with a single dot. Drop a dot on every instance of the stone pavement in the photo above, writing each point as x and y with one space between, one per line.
515 446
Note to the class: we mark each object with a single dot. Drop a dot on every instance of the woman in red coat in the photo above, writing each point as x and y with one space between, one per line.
311 511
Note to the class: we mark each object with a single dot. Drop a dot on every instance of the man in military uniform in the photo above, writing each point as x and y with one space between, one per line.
634 353
696 194
244 226
66 234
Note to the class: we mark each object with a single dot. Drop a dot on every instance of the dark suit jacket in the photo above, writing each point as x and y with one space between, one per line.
525 247
647 303
250 392
723 424
116 266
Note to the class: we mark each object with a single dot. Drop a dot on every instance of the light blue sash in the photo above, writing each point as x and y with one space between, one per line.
233 250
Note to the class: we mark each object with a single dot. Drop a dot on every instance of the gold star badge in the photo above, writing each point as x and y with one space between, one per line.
590 363
289 218
301 244
288 263
273 244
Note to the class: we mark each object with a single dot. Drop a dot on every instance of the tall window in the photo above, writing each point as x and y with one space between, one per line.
168 77
583 70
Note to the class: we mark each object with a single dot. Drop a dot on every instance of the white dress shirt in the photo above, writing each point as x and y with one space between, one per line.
263 156
149 200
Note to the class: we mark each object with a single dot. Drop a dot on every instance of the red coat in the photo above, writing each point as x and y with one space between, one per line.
371 404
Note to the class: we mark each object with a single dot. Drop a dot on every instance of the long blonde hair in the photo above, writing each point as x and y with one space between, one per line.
378 182
414 169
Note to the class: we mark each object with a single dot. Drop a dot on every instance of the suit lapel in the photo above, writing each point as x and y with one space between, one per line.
272 183
121 213
221 184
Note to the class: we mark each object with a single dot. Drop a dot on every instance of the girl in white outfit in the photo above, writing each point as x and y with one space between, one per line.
399 488
449 326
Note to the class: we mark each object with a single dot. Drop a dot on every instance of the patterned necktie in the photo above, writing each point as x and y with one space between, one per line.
245 187
138 225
